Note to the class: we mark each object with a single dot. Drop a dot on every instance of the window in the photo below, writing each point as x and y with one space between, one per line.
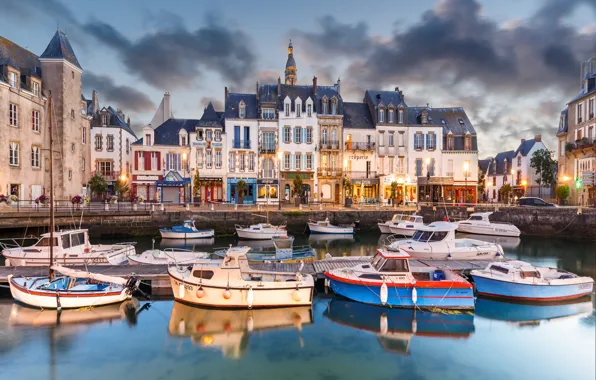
242 163
232 161
591 108
287 134
309 110
287 109
334 107
217 135
519 161
334 137
209 159
579 134
287 162
110 143
35 88
84 135
309 135
401 116
494 181
13 154
268 113
98 142
431 141
72 116
72 73
268 142
251 162
14 115
381 115
104 119
400 139
400 165
183 140
35 120
127 146
242 110
395 266
324 136
468 142
153 160
148 139
298 109
419 167
309 161
12 79
200 135
418 141
297 135
218 159
391 139
391 116
69 173
580 113
324 106
499 269
73 147
450 142
200 158
105 168
449 168
208 135
35 157
298 161
391 162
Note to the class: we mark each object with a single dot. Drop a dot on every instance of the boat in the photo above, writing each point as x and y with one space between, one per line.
70 247
389 281
509 243
230 330
395 328
232 283
407 227
284 252
325 227
519 280
168 256
395 220
479 223
260 231
437 242
186 231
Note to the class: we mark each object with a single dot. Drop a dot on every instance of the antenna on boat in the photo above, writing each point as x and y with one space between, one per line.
51 108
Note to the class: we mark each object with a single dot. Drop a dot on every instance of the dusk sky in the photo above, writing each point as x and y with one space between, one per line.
512 64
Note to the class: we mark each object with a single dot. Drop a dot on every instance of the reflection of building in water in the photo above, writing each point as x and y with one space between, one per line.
395 328
230 329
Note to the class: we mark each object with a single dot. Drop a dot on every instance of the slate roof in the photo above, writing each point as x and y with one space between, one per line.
290 63
19 58
268 94
232 105
357 115
116 121
563 121
497 167
167 133
375 98
524 148
60 48
484 164
211 118
590 90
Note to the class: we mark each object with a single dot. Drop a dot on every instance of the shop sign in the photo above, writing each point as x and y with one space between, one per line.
371 181
208 144
436 181
267 181
247 180
357 158
147 177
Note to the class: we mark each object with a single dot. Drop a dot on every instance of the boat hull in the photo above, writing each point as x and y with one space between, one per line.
430 294
257 235
530 292
68 300
384 228
488 230
213 295
402 231
169 234
330 230
97 256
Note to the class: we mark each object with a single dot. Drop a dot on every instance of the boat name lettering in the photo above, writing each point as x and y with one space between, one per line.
186 287
585 286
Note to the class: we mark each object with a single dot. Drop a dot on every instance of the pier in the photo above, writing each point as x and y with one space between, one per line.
157 275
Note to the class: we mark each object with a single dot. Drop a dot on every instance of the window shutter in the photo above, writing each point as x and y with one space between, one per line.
292 161
136 162
435 141
167 161
427 141
158 160
304 161
303 139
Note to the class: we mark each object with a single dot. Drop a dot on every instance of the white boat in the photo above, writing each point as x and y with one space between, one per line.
479 223
407 227
519 280
324 227
233 284
186 231
71 247
261 231
437 242
71 289
384 226
168 256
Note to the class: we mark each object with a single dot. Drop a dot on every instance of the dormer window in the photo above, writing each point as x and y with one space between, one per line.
309 110
334 106
183 140
324 106
12 79
381 115
104 119
298 109
450 145
424 117
200 135
287 109
148 139
268 113
391 116
35 88
242 110
468 142
401 116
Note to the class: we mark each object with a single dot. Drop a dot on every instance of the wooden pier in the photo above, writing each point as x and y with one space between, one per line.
157 275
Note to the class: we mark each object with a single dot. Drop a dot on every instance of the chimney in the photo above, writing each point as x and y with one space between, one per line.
538 138
166 106
397 89
226 93
128 121
94 102
278 86
338 85
257 91
523 141
314 86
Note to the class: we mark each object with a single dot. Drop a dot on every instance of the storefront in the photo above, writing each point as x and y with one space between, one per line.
267 190
210 189
443 189
406 189
365 190
250 195
287 186
173 189
144 186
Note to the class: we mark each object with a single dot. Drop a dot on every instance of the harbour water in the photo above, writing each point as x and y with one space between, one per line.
335 339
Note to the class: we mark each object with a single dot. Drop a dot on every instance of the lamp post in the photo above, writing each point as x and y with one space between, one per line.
427 161
184 157
466 168
524 183
512 181
279 157
345 177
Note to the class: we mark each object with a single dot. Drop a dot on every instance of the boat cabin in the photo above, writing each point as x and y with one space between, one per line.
513 269
414 219
479 217
394 262
437 231
399 218
65 239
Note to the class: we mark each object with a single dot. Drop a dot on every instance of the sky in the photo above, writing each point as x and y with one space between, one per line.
512 64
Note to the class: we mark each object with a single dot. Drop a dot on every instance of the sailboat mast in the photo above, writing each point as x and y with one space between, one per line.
51 108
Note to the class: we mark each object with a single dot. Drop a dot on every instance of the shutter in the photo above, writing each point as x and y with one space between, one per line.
435 141
427 140
292 161
304 161
136 161
303 135
158 160
167 161
147 160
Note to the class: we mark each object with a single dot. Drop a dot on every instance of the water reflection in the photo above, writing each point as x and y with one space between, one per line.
395 328
230 330
509 243
193 244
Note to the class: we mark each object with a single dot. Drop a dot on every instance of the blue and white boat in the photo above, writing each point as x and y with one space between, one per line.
325 227
186 231
389 281
519 280
531 313
285 252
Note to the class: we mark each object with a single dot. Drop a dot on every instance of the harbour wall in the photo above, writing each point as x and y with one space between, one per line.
556 222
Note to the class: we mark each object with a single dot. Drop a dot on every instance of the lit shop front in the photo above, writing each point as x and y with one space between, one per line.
267 190
406 188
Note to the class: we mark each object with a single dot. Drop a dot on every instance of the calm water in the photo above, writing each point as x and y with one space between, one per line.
335 339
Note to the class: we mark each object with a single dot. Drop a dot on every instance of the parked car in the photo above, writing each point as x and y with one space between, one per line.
536 202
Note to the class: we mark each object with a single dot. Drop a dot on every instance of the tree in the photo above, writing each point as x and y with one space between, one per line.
297 187
196 185
544 165
98 185
347 185
481 181
505 190
241 188
122 188
394 189
562 192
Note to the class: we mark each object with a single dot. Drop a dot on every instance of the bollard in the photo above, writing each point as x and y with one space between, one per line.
106 207
161 207
212 207
187 207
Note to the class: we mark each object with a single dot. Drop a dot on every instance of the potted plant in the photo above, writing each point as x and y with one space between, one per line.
470 198
42 200
241 189
562 192
298 190
347 186
196 188
394 191
77 200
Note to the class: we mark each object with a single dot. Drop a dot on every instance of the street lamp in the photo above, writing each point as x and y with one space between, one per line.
466 168
184 157
524 183
345 179
279 157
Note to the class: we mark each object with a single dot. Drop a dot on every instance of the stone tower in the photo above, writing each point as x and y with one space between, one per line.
291 67
62 76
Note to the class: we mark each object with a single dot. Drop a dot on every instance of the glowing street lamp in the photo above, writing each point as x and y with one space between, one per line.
524 183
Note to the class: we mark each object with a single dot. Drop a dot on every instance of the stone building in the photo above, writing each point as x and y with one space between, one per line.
576 137
26 80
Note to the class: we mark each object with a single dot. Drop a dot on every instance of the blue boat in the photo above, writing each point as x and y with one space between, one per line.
186 231
389 281
284 252
511 311
522 281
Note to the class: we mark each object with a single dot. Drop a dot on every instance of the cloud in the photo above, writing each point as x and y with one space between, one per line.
217 104
125 97
174 58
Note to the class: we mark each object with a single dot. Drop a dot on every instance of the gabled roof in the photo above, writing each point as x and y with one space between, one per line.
211 118
116 120
59 48
233 104
19 58
525 147
499 167
167 133
356 115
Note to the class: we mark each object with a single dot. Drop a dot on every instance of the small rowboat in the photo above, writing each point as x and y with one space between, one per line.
325 227
284 252
186 231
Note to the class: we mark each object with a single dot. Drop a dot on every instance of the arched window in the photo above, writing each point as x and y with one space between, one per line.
268 168
324 102
334 106
242 110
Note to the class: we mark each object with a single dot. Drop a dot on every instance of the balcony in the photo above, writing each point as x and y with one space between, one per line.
267 149
268 173
329 173
326 145
355 174
107 175
364 146
584 145
240 144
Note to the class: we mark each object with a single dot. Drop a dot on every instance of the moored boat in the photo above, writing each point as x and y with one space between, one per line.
261 231
408 226
437 242
284 252
234 284
384 226
186 230
168 256
519 280
325 227
389 281
479 223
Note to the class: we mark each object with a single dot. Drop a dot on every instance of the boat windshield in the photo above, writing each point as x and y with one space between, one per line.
412 219
422 236
475 217
395 265
45 242
376 260
438 236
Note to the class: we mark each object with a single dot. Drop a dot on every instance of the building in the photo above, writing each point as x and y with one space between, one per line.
499 173
111 156
576 137
25 82
207 156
